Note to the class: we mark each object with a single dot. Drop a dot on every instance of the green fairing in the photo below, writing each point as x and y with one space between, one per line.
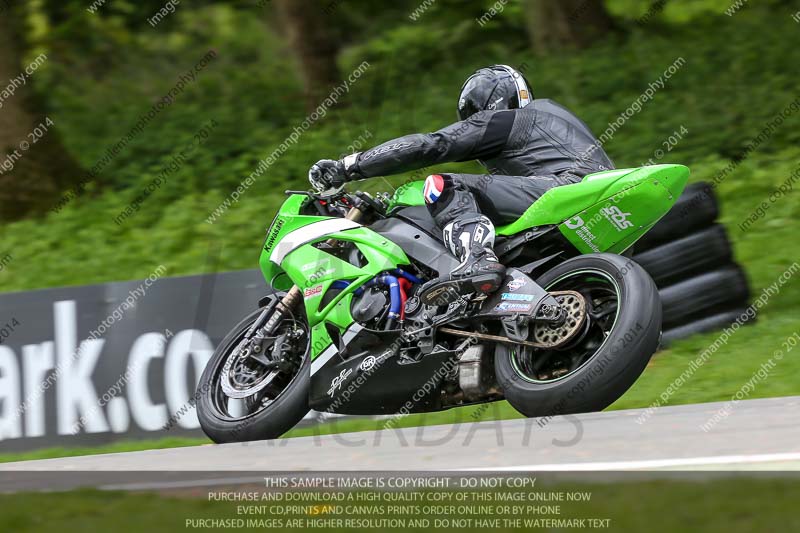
314 270
408 194
563 203
288 219
625 206
320 340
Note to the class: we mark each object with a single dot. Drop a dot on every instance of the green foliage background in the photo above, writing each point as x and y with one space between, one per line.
102 76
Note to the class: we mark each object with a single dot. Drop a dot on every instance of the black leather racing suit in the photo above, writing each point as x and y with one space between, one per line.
527 151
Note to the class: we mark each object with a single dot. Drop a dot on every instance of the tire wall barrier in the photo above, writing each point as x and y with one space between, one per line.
689 256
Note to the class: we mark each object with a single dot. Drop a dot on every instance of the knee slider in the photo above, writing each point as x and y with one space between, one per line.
434 187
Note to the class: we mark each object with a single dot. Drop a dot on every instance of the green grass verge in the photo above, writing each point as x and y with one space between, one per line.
116 447
744 505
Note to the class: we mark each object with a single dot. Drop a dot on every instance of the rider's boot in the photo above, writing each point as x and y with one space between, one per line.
472 240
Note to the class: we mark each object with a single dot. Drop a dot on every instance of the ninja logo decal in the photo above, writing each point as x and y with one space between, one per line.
617 218
315 264
336 383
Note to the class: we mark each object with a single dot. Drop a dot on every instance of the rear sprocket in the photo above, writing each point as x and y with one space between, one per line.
552 336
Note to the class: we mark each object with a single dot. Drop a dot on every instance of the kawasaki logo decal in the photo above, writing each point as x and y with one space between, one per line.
276 229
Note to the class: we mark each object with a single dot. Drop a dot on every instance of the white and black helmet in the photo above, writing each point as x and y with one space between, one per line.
495 87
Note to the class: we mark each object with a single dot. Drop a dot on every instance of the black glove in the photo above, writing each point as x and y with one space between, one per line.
327 174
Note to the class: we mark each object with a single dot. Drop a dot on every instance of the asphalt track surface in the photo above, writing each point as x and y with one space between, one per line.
756 435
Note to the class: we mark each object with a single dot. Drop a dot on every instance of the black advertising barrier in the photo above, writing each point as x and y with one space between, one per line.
95 364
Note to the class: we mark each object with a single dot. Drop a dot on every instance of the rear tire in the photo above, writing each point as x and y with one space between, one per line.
612 368
281 415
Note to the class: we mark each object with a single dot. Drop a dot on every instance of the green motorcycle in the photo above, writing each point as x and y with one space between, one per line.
363 319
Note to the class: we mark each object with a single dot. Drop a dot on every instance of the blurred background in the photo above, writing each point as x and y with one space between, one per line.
275 61
114 96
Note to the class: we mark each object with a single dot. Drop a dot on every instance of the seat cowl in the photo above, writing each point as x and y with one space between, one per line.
564 202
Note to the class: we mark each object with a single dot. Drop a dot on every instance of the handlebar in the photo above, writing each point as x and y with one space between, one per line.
341 199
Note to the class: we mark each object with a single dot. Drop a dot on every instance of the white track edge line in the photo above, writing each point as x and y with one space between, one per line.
648 463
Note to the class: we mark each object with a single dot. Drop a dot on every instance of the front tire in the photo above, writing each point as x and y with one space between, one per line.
603 362
269 412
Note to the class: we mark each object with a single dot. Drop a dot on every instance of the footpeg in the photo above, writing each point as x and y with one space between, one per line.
443 291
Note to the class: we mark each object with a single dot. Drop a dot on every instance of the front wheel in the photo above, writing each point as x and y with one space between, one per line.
599 364
252 390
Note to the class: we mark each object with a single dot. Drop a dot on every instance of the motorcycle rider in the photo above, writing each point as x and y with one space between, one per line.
529 146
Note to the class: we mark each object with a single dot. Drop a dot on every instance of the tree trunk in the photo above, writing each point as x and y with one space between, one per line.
313 44
33 175
556 24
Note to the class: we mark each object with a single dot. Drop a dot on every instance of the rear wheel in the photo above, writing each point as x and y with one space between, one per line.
253 390
620 333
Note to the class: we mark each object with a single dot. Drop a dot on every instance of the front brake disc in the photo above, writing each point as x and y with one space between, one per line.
237 379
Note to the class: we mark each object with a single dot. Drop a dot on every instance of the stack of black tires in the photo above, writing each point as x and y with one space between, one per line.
690 258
